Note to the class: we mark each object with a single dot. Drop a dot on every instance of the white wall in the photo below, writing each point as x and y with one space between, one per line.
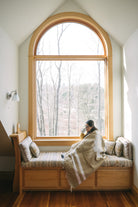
130 83
23 77
23 83
8 82
69 6
117 88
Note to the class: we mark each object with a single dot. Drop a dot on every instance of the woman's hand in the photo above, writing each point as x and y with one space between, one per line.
83 130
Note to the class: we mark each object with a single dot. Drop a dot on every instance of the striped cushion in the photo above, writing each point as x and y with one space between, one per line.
109 147
53 159
45 159
34 149
25 149
114 161
118 148
127 147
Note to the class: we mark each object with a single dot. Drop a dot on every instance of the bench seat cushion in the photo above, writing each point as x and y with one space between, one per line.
45 159
53 159
114 161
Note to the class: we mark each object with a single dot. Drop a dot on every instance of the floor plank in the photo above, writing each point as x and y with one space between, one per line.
131 199
114 199
79 199
35 199
71 199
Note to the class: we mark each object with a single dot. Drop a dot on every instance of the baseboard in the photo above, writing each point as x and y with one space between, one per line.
6 175
134 190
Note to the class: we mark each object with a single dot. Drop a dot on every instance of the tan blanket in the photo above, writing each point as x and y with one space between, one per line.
81 160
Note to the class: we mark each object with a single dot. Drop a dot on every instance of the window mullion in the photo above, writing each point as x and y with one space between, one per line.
70 57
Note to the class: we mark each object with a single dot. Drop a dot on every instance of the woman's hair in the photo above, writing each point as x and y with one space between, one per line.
91 124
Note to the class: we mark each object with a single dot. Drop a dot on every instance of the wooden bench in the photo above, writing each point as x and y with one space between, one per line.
53 178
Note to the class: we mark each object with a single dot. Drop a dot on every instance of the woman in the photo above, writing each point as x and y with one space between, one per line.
85 156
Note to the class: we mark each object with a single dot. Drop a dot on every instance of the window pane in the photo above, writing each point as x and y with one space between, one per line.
70 39
68 94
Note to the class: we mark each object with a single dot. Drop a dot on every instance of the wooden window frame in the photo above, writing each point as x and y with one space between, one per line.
107 57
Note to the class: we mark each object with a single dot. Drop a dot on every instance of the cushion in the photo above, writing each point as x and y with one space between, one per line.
114 161
25 149
45 159
109 147
34 149
118 148
127 147
53 159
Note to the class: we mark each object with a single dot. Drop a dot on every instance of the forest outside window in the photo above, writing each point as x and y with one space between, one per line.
70 81
65 103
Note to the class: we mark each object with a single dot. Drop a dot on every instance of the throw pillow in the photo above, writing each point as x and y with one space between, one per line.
34 149
25 150
109 147
118 148
127 147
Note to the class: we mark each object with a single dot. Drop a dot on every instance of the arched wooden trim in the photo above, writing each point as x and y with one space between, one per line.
70 17
89 22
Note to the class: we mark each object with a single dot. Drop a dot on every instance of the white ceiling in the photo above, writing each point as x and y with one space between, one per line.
118 17
21 17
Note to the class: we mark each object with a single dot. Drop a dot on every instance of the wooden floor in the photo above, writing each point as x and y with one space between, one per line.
79 199
68 199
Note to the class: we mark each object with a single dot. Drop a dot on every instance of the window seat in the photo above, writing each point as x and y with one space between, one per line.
47 172
53 159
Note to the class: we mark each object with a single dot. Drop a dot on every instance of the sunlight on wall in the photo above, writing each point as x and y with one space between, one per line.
130 74
127 114
127 109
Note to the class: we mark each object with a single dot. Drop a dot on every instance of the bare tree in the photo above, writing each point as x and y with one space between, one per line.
43 93
48 109
40 113
69 95
53 110
60 30
58 66
78 103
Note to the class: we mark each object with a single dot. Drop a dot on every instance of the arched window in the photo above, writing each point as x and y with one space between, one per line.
70 77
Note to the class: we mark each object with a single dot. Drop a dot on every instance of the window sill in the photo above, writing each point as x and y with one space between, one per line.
56 142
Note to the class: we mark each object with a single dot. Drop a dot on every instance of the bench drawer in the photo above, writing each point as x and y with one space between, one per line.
89 183
119 178
40 179
64 182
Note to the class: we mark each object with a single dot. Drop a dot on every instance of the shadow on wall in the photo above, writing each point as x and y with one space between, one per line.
130 73
6 146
